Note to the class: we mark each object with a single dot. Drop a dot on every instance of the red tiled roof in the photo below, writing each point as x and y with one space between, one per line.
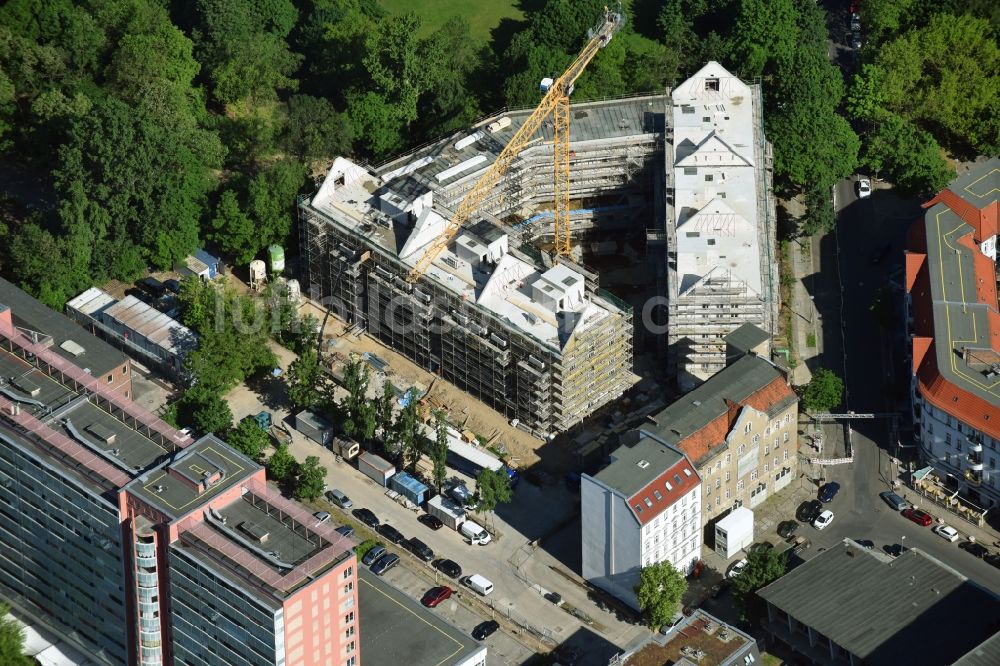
697 444
914 262
667 497
963 405
921 345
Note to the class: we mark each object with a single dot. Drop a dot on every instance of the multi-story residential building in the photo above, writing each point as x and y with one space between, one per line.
739 429
642 509
143 546
851 605
721 266
534 339
953 322
58 333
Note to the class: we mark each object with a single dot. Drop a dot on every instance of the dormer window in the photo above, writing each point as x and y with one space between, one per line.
712 84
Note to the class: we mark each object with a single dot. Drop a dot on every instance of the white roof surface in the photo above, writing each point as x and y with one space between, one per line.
715 180
150 323
91 301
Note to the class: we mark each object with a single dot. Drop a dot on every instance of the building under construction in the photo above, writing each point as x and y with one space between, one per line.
536 340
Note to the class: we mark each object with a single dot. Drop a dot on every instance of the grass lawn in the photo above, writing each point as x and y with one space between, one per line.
483 15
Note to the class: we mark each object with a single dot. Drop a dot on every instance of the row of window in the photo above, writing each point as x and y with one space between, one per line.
669 488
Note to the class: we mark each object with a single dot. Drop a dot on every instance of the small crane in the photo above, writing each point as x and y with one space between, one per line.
556 103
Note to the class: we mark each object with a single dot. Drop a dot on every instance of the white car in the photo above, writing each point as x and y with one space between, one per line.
823 520
864 188
947 533
737 569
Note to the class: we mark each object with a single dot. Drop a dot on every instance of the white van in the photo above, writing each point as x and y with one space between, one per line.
475 533
479 584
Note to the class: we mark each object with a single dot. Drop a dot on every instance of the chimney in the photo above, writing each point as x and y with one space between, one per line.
6 322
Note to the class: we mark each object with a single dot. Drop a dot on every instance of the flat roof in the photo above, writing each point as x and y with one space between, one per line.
29 313
746 337
398 630
635 466
175 487
882 609
155 326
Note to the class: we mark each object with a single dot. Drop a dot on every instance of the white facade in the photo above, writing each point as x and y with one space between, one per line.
616 545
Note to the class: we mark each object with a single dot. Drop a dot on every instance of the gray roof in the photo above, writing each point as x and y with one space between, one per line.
627 475
882 609
986 653
695 410
746 337
98 355
398 630
961 320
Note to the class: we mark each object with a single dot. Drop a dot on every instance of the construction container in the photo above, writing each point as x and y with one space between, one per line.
345 448
376 468
314 427
408 487
545 84
499 124
734 532
276 257
448 512
258 274
294 291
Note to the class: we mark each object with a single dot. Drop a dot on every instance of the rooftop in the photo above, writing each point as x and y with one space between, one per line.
700 638
398 630
951 273
192 476
702 418
746 337
32 315
150 323
882 609
264 539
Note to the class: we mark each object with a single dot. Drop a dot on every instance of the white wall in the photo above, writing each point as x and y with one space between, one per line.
610 538
946 439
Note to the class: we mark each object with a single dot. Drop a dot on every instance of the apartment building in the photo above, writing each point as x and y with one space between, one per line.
642 509
74 343
953 322
538 341
739 429
720 221
143 546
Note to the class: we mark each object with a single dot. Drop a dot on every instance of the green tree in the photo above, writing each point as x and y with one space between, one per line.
378 126
11 640
203 409
233 230
823 392
311 479
384 406
408 435
907 155
492 488
271 201
315 129
820 216
249 439
282 466
356 384
765 32
763 568
439 452
305 379
659 593
367 421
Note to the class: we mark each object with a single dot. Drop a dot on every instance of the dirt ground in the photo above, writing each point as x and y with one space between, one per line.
463 409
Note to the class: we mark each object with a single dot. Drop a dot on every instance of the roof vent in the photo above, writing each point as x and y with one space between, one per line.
696 403
643 464
158 488
72 347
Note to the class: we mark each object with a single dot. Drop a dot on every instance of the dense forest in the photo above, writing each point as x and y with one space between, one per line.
134 131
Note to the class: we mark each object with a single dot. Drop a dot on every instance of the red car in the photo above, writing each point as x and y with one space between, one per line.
436 595
918 516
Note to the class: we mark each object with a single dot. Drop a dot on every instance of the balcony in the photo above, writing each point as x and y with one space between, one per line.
975 459
974 477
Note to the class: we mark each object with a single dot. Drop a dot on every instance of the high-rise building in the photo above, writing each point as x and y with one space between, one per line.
953 322
143 546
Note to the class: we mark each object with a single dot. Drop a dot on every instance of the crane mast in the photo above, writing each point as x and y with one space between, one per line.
556 103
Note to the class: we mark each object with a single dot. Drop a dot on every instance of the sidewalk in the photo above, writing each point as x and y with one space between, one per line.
806 323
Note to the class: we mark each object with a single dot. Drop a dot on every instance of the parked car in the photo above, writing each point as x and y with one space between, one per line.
554 597
345 530
391 533
436 595
375 552
856 44
337 498
430 521
172 285
485 629
384 563
808 511
321 516
974 549
823 520
737 569
918 516
828 492
787 528
895 549
448 568
152 286
419 548
864 185
946 532
894 500
855 22
865 543
669 627
366 517
993 560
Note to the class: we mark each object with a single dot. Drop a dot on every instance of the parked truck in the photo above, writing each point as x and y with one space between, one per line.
447 511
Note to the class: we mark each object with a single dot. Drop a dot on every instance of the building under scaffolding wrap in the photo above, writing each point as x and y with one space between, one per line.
537 341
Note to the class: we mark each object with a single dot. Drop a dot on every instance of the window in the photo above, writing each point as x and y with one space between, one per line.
740 486
111 378
740 451
708 490
785 438
348 572
729 493
729 458
349 587
766 449
349 618
349 632
638 508
786 454
756 438
993 462
958 444
718 483
690 171
712 84
351 646
765 468
753 475
947 439
748 427
718 465
727 477
687 109
709 178
718 500
774 463
351 661
657 495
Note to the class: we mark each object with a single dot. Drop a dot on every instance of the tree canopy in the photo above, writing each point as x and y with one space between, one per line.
823 392
11 640
659 592
764 566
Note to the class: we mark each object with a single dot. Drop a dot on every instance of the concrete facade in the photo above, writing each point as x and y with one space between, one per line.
643 509
142 546
953 322
721 242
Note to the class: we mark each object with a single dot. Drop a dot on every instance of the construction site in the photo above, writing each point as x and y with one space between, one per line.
513 259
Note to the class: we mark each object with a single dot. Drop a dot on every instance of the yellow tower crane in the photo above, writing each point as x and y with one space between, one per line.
556 103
